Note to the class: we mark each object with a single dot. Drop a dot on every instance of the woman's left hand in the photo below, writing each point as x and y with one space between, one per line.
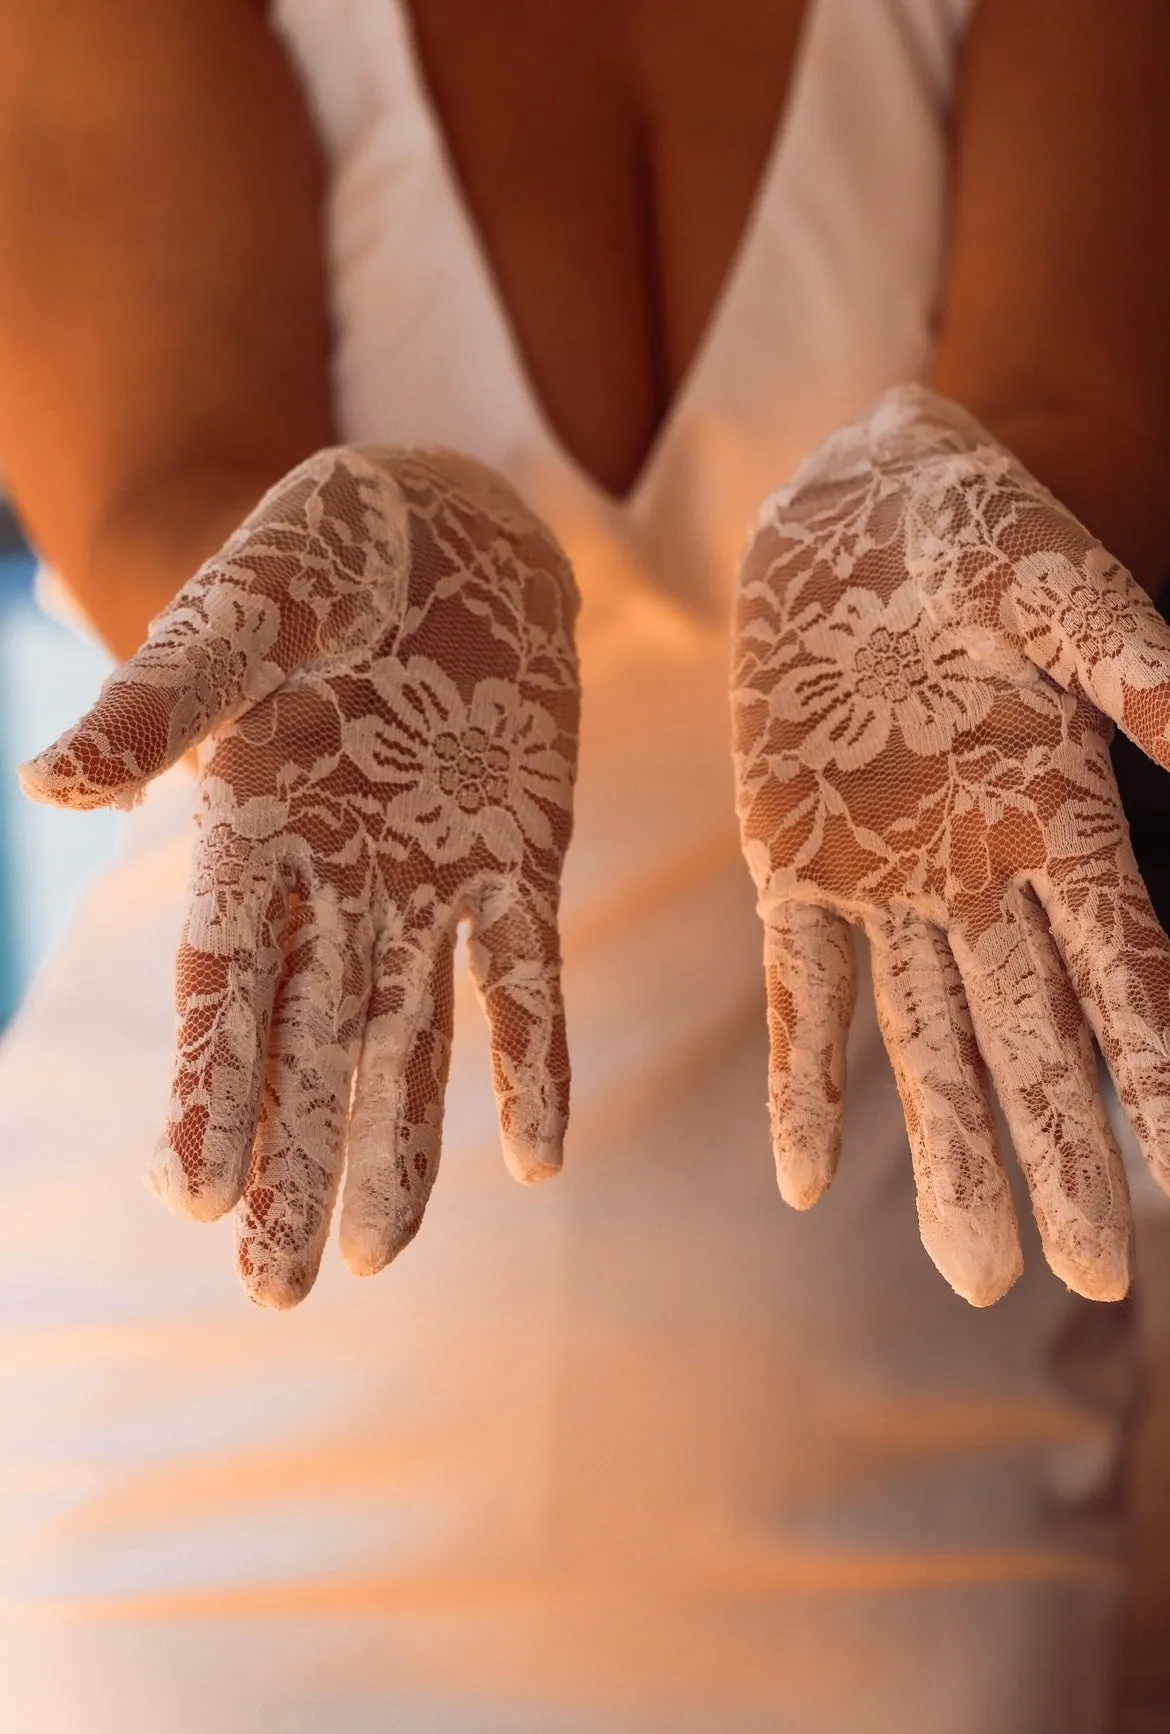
928 647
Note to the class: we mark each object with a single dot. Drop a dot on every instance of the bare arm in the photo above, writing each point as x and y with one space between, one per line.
1055 328
163 334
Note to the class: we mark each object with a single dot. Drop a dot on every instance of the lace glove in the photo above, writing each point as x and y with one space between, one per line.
927 649
380 664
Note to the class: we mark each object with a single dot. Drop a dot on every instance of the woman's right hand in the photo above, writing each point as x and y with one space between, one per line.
380 666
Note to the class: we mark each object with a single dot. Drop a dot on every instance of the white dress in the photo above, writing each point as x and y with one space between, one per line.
641 1450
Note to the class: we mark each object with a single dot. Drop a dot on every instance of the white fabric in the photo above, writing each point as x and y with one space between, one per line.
642 1450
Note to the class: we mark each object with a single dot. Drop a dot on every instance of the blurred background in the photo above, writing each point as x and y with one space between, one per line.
49 672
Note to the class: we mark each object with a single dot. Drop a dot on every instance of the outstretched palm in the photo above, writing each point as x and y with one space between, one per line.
381 662
928 649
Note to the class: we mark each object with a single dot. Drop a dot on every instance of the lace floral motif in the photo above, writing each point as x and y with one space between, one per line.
380 665
927 650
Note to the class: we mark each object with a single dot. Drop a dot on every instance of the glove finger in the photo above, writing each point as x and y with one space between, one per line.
1084 620
965 1211
1118 960
229 962
295 582
397 1119
811 976
282 1220
516 963
1040 1054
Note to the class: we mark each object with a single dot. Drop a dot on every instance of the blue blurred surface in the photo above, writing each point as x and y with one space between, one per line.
48 674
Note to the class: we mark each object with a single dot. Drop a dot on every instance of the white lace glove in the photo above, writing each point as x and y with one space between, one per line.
925 643
382 660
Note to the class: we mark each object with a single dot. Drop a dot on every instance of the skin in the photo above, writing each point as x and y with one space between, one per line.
163 334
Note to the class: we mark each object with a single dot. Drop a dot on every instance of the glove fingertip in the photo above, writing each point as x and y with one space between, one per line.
366 1252
532 1160
372 1234
36 779
802 1184
204 1196
1104 1277
76 773
279 1291
806 1156
274 1275
53 780
363 1257
980 1281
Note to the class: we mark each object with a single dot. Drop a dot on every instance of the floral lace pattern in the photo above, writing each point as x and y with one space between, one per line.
928 648
380 666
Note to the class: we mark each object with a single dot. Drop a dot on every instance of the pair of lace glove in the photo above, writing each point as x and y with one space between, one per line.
380 667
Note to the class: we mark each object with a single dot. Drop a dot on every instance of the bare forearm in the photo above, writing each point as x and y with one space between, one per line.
1053 327
151 542
1109 476
163 335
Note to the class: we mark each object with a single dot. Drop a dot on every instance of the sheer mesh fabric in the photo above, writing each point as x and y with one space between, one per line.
380 667
928 650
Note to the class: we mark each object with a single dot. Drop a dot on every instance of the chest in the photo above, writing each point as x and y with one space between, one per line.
609 153
539 307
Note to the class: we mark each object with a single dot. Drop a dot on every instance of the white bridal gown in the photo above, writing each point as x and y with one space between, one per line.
641 1450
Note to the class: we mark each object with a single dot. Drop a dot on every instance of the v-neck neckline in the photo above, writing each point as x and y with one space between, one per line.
714 329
